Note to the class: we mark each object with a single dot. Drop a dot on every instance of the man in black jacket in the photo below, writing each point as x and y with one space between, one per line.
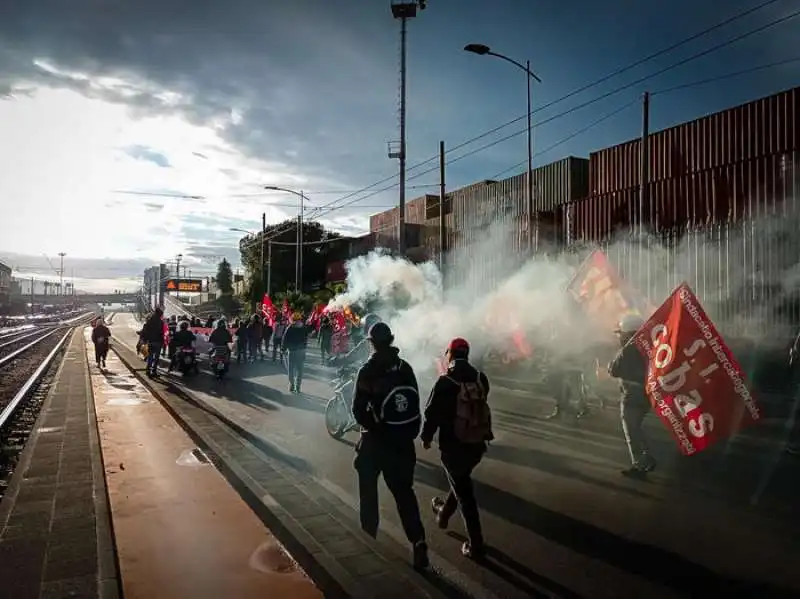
386 405
153 335
294 342
630 367
458 410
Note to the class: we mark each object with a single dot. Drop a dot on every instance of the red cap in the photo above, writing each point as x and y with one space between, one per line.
458 344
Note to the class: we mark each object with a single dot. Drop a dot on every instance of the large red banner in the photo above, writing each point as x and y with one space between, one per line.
603 293
694 383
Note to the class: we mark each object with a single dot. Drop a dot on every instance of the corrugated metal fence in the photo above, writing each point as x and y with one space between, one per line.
733 233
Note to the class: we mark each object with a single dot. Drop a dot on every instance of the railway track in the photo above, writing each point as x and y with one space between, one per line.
28 364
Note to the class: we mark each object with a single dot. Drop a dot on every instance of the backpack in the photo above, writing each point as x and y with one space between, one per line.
473 422
400 408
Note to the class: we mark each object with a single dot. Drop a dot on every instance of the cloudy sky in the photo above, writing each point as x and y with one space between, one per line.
200 105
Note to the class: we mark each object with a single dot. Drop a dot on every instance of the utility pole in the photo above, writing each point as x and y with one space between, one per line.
297 256
61 274
178 273
403 10
644 176
441 207
269 268
263 242
32 296
302 240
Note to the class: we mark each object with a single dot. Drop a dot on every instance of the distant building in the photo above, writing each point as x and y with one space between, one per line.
5 284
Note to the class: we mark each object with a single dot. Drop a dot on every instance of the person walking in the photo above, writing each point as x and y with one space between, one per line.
458 410
294 342
325 337
101 337
386 405
630 367
153 336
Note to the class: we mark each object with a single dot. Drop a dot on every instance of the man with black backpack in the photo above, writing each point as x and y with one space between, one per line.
386 405
458 409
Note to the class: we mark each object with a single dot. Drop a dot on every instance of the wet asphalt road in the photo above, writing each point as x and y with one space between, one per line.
557 513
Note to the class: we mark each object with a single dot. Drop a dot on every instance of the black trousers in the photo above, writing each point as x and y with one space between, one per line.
458 466
100 351
396 464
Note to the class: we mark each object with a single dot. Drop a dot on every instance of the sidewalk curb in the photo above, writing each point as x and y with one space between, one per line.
326 572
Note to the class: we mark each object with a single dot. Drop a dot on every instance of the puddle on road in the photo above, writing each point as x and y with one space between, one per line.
50 429
271 558
193 458
126 401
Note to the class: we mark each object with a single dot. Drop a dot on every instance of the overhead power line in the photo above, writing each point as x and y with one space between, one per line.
330 207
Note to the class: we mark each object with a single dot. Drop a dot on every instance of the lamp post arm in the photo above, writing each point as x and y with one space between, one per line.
519 65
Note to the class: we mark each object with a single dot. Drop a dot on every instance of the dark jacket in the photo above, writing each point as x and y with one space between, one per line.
220 337
153 330
255 330
99 332
183 339
295 336
440 413
383 371
630 367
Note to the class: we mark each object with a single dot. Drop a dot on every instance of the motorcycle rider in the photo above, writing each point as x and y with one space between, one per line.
182 338
386 405
630 367
101 335
220 339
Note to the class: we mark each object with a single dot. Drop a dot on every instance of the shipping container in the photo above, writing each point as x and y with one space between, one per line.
383 222
750 189
730 232
764 127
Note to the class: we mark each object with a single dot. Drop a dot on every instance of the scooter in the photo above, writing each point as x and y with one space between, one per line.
338 412
220 359
186 359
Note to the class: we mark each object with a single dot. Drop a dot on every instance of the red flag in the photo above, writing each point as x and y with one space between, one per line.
268 310
693 381
604 294
286 311
315 319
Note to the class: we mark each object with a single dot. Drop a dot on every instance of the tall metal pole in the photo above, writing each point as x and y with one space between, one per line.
441 207
644 176
297 258
269 268
32 296
531 214
401 244
178 273
263 242
61 275
302 239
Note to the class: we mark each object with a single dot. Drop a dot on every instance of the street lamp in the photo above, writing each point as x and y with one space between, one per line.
483 50
298 266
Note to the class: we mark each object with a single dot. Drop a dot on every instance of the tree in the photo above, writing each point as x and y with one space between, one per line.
284 254
225 277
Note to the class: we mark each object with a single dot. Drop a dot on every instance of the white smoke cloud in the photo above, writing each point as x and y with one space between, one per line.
489 295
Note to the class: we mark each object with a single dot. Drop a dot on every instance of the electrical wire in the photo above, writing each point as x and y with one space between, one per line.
727 76
330 207
687 40
613 92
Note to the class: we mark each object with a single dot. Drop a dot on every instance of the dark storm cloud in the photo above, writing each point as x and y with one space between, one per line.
301 76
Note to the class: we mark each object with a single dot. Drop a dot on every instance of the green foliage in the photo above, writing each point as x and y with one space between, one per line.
225 277
284 255
229 305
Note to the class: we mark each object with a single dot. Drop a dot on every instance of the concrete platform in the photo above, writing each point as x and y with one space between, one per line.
181 531
55 531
